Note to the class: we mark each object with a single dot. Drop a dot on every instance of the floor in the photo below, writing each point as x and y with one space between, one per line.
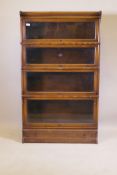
57 159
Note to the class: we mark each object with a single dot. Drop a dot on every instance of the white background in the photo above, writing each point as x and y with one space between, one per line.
47 159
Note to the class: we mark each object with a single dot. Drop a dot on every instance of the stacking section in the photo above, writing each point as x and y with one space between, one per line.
60 76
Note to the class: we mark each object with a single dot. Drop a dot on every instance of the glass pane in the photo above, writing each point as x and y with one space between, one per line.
60 111
60 81
60 55
71 30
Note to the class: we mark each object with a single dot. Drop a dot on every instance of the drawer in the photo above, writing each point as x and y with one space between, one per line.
68 113
57 30
60 81
36 56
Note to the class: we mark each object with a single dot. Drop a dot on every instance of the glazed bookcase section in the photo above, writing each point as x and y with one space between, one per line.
60 113
47 82
60 81
60 55
78 56
60 76
59 26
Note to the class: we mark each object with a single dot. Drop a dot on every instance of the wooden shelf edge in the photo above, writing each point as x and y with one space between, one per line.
60 95
60 42
59 66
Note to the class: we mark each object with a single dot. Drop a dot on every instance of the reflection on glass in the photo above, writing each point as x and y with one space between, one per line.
71 30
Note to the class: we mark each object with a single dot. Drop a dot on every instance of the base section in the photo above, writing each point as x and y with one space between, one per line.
60 136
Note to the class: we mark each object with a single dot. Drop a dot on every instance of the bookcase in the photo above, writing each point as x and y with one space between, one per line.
60 76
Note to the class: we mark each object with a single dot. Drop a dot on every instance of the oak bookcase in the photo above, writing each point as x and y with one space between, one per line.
60 76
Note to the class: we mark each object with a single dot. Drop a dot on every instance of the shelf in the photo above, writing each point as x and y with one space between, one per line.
54 43
60 95
60 68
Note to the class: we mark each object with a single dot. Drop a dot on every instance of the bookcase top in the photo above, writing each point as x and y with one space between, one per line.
93 14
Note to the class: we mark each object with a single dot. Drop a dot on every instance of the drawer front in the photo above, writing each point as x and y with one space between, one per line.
64 30
60 135
40 56
60 81
53 113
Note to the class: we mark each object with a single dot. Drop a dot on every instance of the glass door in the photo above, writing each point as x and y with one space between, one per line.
60 81
62 112
58 30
